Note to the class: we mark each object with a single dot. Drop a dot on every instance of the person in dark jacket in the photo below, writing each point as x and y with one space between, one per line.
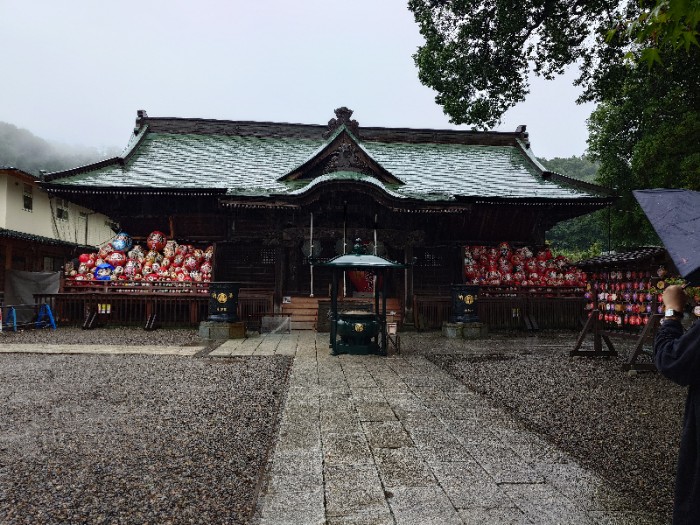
677 356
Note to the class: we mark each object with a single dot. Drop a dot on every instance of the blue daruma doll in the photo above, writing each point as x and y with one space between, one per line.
122 242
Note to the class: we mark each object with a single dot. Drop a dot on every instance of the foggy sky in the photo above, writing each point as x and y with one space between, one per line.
76 71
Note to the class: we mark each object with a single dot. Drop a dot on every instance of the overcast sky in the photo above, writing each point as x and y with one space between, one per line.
76 71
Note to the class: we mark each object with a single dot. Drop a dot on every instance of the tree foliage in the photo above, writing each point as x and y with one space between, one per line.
477 55
647 135
666 23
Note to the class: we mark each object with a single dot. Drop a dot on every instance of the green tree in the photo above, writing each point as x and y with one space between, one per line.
647 135
582 168
477 55
665 23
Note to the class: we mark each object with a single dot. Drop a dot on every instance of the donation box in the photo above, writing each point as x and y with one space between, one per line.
223 302
464 300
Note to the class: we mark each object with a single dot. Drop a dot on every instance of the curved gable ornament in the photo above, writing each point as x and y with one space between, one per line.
341 153
342 115
348 157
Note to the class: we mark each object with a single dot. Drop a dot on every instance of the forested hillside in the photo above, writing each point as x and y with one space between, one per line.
22 149
581 168
585 236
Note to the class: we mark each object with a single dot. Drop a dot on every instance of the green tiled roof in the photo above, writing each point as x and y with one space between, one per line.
247 159
13 234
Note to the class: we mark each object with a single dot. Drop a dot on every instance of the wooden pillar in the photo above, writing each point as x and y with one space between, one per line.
408 286
8 256
280 268
334 310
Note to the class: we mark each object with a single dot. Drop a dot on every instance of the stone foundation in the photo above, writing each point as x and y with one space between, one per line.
452 330
475 330
218 330
464 330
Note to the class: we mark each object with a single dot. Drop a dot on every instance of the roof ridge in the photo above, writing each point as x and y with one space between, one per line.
193 125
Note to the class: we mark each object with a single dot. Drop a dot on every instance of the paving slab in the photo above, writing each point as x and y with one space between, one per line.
236 347
397 440
403 467
353 489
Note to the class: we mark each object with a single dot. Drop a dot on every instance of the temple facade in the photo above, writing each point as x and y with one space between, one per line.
271 196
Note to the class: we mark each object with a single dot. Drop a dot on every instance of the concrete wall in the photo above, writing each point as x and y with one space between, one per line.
3 199
44 220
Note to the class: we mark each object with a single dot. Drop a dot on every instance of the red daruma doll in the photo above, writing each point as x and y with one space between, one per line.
156 241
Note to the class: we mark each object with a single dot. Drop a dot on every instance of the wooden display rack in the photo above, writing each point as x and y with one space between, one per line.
594 324
647 335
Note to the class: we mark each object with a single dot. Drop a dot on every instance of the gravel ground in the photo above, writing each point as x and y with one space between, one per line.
164 439
106 336
626 428
134 439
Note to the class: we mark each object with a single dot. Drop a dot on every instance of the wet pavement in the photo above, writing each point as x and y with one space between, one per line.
374 440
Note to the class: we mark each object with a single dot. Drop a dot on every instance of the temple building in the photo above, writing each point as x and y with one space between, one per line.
270 196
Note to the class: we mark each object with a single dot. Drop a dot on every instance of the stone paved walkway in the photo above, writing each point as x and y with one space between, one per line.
373 440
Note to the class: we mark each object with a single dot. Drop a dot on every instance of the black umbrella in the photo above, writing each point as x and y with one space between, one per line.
675 215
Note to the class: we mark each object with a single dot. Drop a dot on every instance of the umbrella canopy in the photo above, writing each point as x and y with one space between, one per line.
675 215
361 262
358 260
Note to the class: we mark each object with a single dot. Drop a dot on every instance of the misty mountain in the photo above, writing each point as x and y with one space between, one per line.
22 149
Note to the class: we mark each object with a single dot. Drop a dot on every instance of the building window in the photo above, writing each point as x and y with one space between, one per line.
61 210
83 215
268 256
19 262
28 199
430 259
53 264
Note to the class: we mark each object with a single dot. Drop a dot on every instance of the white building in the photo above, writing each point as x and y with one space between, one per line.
41 233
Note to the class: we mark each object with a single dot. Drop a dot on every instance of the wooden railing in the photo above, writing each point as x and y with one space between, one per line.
174 304
120 309
169 287
509 309
253 305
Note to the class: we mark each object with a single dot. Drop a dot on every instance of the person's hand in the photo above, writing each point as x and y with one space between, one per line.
675 298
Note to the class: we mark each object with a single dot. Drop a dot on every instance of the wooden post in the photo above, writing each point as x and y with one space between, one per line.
311 254
8 256
345 246
593 324
648 332
334 311
407 314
